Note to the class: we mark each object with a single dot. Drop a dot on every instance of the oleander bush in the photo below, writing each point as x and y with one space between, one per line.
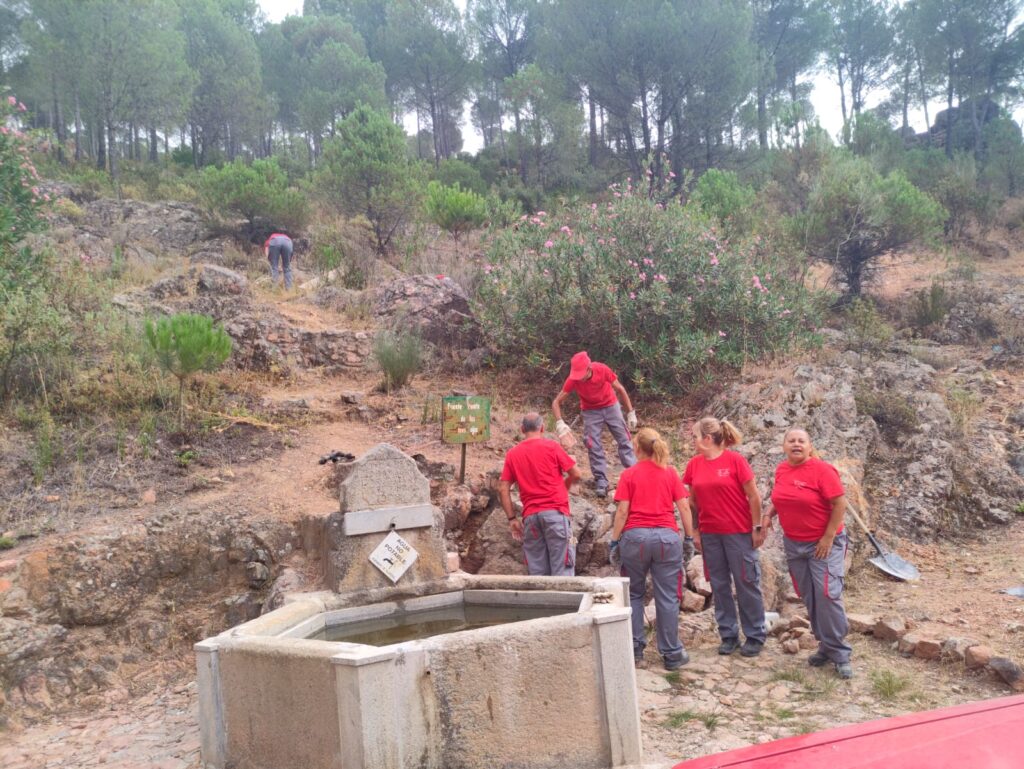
651 289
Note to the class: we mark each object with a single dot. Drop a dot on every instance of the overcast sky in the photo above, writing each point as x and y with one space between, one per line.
825 95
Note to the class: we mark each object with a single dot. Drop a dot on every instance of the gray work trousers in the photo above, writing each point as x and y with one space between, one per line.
548 545
820 584
732 559
279 252
659 552
594 422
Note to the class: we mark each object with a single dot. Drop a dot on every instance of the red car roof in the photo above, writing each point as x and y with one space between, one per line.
978 735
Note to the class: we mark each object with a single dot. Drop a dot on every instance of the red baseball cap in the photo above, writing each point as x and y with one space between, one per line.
579 365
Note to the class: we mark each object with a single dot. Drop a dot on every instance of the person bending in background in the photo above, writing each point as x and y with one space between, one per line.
278 250
645 539
600 391
544 474
728 504
810 501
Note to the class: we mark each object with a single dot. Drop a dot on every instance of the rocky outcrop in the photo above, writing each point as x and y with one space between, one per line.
264 341
149 585
433 306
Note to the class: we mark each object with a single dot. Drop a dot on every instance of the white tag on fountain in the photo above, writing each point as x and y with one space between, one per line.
393 556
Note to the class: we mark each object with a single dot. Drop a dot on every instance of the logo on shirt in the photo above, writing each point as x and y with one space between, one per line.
800 484
723 472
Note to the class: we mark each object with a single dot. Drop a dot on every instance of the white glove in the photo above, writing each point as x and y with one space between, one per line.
561 428
631 419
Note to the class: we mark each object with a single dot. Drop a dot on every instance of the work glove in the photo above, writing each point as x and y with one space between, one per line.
631 420
565 436
689 549
614 556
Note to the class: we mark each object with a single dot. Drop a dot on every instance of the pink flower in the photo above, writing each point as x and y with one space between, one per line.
714 261
710 351
784 313
46 198
21 107
547 271
3 130
534 220
671 174
548 243
721 333
565 229
593 206
648 262
541 213
600 241
11 100
643 276
632 295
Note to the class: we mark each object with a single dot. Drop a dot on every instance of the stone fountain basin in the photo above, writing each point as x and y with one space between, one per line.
553 691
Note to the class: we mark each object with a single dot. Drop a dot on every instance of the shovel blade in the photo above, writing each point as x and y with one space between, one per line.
1017 592
897 567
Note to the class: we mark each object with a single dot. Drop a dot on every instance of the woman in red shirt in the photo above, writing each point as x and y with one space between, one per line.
809 499
723 490
645 537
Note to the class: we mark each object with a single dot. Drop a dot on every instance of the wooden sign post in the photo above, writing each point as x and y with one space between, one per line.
465 419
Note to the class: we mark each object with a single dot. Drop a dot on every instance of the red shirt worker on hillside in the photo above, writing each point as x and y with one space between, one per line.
544 473
600 391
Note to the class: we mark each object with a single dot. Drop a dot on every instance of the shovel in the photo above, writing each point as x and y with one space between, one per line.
887 561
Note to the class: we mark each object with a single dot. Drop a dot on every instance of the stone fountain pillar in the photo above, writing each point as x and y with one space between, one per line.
382 492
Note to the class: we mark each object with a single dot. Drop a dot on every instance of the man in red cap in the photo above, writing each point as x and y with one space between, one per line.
600 391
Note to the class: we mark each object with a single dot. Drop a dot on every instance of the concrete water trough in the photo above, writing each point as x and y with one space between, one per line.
465 671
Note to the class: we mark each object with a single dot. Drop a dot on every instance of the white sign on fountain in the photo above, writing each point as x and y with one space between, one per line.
393 556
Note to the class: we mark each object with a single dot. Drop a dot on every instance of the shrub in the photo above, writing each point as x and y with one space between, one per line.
722 196
454 210
930 307
958 192
186 344
963 407
854 215
647 288
257 192
456 172
364 171
399 355
6 543
894 414
867 330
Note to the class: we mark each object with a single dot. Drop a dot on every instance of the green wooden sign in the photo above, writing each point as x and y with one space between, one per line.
465 419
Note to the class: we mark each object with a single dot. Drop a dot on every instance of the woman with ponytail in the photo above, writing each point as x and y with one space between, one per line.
728 504
645 538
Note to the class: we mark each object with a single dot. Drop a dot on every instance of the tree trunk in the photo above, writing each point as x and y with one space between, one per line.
154 145
592 152
949 108
924 100
842 98
101 145
78 129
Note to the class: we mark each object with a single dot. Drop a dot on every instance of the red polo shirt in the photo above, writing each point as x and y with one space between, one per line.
803 498
717 486
596 392
536 465
652 492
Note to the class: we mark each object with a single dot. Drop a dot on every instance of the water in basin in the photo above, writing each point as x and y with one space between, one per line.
424 624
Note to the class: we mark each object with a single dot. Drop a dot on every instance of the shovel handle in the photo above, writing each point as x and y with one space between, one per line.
859 520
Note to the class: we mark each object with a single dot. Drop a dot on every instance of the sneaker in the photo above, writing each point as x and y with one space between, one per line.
751 648
844 670
818 659
676 664
728 646
640 663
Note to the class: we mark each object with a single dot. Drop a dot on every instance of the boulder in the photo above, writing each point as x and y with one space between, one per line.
890 628
692 602
928 649
456 507
1009 671
862 623
907 643
221 280
977 657
434 307
955 649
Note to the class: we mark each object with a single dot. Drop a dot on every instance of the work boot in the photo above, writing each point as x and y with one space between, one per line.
676 664
751 648
818 659
601 492
640 663
844 670
728 646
